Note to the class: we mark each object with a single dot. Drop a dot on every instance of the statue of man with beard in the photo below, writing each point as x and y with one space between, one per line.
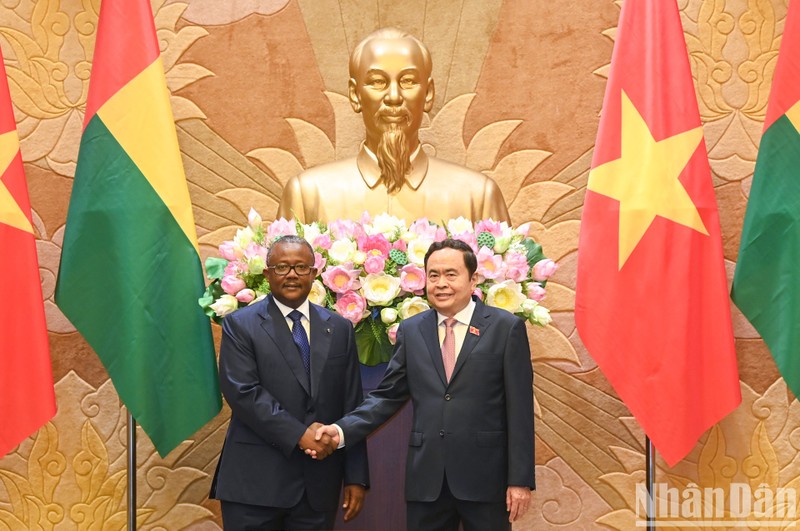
391 86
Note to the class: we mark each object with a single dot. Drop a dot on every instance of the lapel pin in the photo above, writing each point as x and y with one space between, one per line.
328 330
474 331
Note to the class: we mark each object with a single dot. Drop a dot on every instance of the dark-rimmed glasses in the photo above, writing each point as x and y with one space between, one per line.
283 269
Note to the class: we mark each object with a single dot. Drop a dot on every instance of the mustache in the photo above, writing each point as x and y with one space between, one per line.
393 112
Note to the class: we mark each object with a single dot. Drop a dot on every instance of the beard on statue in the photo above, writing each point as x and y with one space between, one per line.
393 153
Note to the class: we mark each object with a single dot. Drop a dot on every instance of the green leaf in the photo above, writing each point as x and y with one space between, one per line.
212 293
533 251
215 267
372 342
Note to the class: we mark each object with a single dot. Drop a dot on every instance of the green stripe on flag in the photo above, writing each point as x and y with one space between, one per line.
129 281
765 285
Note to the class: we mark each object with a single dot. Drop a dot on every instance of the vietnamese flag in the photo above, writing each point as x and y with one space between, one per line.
130 272
652 302
27 397
765 286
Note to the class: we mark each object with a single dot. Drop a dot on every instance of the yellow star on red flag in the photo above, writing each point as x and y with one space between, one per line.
10 211
645 179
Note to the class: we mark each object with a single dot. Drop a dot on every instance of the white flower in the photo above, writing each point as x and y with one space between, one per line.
416 251
412 306
407 236
254 219
388 315
459 225
387 225
310 232
359 257
506 295
501 244
225 305
244 237
380 289
541 315
317 295
256 264
342 251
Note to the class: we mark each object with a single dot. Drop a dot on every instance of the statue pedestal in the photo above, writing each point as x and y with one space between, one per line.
385 504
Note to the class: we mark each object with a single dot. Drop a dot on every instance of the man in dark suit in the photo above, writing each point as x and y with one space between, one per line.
278 379
466 367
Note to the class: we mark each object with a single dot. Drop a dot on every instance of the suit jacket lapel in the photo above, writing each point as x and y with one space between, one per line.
321 334
275 325
430 333
481 321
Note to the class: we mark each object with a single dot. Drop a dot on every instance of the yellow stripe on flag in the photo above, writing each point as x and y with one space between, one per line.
794 115
10 211
140 118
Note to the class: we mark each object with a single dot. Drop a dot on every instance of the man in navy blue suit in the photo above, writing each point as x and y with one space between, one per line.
284 364
466 367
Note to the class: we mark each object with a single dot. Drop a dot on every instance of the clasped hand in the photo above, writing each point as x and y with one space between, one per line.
318 443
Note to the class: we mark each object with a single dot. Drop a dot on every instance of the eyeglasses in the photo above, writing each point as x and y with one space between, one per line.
283 269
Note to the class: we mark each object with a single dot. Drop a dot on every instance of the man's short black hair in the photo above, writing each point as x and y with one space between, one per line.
291 238
469 256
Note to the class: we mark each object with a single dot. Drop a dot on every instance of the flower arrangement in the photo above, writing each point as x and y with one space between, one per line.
371 272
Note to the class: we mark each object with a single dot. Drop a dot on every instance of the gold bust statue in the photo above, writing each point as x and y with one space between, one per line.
391 86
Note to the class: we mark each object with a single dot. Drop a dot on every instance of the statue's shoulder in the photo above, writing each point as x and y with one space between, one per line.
338 169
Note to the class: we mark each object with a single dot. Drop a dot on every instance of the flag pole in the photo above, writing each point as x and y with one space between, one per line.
650 476
131 472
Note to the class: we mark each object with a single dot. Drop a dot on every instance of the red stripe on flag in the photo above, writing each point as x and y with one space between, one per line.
126 44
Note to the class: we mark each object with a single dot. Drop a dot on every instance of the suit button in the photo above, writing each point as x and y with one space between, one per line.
447 396
441 433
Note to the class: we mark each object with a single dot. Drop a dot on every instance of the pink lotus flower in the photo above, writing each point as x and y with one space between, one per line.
490 265
341 279
391 333
490 226
516 266
478 293
323 241
544 269
246 295
351 306
375 244
423 228
400 245
234 269
229 251
254 249
412 279
280 227
344 228
374 264
535 292
523 229
232 285
469 238
319 262
254 221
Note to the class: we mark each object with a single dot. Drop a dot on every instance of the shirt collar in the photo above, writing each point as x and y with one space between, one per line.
367 163
285 310
463 317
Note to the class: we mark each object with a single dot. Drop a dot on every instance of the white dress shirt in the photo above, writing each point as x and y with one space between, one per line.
303 308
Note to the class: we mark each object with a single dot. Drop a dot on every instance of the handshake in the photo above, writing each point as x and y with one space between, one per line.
319 441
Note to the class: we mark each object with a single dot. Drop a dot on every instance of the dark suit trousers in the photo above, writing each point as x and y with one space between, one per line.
446 512
245 517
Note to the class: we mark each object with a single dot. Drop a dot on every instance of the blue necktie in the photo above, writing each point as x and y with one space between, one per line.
301 339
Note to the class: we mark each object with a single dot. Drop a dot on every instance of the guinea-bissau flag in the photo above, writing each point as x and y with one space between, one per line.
652 301
765 285
130 272
27 397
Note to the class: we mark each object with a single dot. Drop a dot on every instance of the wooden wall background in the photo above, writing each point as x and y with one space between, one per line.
258 94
